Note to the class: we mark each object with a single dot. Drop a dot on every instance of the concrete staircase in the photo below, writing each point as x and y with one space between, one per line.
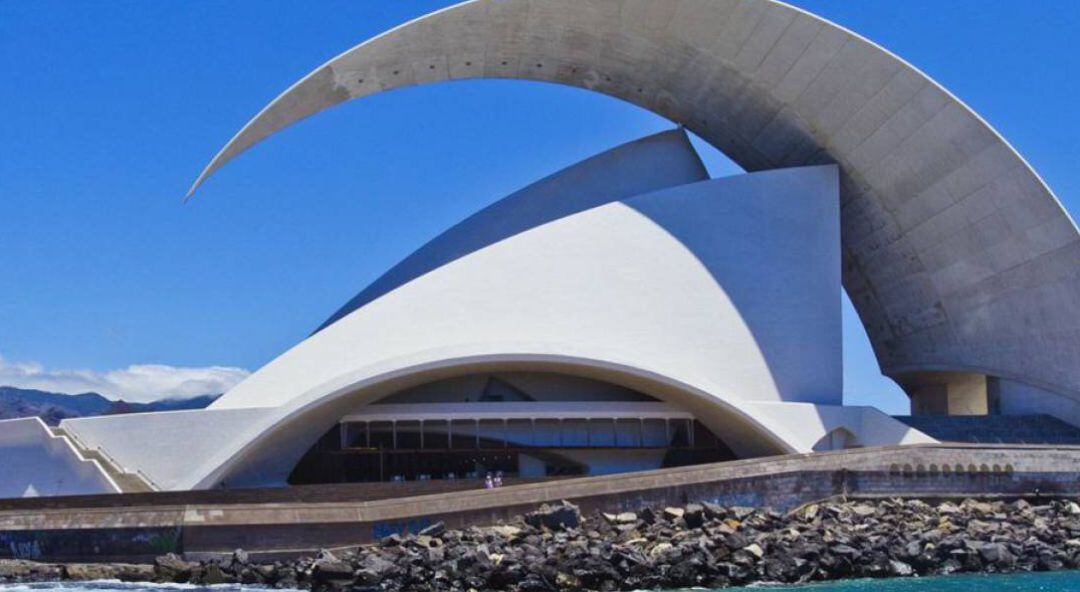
995 429
128 482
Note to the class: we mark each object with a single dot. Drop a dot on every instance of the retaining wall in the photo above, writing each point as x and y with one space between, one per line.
271 529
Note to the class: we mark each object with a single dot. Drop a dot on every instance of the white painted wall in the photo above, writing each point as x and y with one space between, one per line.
34 462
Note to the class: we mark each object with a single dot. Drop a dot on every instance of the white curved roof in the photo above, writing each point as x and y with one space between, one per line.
665 285
956 254
609 176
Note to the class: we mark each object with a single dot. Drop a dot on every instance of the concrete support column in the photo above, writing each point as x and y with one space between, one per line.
948 393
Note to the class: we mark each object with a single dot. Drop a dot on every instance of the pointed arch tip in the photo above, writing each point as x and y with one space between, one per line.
198 181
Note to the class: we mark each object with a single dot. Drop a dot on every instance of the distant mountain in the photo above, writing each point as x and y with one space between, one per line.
53 407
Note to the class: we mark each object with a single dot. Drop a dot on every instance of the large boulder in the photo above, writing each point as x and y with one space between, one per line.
561 516
172 568
694 515
88 571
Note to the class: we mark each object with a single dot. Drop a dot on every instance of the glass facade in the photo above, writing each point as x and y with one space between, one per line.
411 449
522 424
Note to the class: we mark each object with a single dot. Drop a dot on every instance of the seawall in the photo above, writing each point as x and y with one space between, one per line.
268 525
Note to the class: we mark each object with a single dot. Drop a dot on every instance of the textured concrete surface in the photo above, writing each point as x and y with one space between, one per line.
1017 398
948 393
956 255
142 530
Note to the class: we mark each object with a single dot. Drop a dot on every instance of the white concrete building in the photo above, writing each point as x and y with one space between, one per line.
626 313
629 312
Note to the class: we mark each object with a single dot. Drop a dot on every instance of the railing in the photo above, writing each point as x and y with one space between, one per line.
116 466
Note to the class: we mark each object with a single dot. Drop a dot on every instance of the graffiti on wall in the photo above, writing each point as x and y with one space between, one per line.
24 549
90 542
385 529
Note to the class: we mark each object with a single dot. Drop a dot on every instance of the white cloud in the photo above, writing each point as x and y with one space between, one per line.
136 383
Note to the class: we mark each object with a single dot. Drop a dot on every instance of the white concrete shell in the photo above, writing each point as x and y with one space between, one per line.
662 160
674 273
630 268
956 255
657 292
163 448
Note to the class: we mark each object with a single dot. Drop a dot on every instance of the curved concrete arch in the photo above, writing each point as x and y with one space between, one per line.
956 254
269 448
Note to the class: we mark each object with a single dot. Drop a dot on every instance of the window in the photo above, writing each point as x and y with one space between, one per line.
602 432
655 433
492 434
575 432
548 432
381 435
436 434
628 433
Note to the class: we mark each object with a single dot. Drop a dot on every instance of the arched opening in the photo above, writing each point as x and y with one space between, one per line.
837 439
271 451
511 424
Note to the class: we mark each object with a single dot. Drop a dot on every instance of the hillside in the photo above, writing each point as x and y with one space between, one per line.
53 407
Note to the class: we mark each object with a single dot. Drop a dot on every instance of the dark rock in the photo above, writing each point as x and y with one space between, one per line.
171 568
213 574
742 512
997 554
377 565
534 583
88 571
647 515
714 511
133 572
555 517
265 574
900 569
694 516
736 540
695 545
391 540
367 577
325 571
672 513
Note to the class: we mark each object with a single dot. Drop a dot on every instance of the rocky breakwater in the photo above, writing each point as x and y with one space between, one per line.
556 548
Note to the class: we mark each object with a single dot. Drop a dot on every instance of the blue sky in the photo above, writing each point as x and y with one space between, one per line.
112 108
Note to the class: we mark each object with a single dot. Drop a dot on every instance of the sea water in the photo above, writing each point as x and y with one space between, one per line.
1065 581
